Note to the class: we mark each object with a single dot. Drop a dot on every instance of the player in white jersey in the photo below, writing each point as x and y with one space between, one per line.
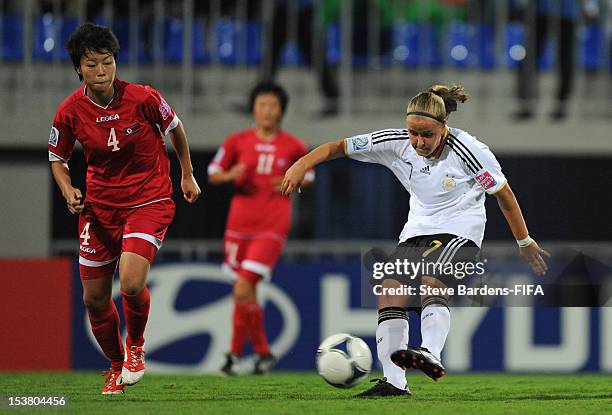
447 173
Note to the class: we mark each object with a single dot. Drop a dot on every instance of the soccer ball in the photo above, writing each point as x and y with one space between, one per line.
344 360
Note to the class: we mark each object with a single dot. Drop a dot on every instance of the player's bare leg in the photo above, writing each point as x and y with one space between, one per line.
104 319
391 335
133 271
435 325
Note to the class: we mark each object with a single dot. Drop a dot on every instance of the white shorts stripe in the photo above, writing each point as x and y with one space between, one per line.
90 263
257 268
150 238
150 203
229 271
243 235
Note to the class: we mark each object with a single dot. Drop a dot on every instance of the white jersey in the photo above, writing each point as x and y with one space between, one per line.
447 194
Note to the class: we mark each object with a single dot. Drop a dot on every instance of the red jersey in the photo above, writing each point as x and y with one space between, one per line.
258 206
127 160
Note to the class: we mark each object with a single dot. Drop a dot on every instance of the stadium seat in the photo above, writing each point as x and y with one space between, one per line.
121 27
432 50
333 52
231 35
291 55
333 48
227 42
459 45
416 45
69 24
45 39
484 47
546 60
591 47
253 43
173 42
12 37
514 49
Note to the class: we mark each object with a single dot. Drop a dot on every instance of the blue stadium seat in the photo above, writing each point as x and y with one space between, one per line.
592 47
227 42
459 44
253 43
514 49
69 24
45 39
484 46
406 44
432 52
121 28
12 37
333 52
291 55
173 42
333 49
200 56
416 45
546 60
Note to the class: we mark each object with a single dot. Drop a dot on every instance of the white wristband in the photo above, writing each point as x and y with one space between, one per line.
523 243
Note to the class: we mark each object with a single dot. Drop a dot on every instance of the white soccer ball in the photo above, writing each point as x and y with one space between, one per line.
344 360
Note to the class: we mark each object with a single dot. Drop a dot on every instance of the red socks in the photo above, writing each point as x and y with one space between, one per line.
105 328
248 322
136 312
258 332
241 324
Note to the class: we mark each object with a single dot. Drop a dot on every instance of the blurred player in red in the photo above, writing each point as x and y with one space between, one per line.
255 161
128 207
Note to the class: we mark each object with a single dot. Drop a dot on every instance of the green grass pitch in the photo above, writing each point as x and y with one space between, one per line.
306 393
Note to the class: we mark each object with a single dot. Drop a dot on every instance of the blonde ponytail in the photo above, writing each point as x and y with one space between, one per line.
437 102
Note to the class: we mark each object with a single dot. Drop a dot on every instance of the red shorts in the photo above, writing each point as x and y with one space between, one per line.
105 232
256 253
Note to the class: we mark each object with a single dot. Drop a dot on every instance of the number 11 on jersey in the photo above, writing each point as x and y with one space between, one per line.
112 140
264 163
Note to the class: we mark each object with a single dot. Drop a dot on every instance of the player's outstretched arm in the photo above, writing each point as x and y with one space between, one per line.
294 177
528 247
189 185
73 196
230 175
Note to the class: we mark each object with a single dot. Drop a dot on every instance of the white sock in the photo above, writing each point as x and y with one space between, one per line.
435 324
392 335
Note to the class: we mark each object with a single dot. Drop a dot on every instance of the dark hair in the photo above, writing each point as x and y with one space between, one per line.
269 88
90 37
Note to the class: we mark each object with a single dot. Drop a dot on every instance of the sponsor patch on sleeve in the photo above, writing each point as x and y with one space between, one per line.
132 129
54 137
359 143
164 109
486 180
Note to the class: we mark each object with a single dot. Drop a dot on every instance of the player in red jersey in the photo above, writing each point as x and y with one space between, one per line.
255 160
128 206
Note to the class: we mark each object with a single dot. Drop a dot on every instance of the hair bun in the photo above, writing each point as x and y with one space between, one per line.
450 96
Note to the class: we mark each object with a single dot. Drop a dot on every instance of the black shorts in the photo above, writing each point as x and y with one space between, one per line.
449 258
